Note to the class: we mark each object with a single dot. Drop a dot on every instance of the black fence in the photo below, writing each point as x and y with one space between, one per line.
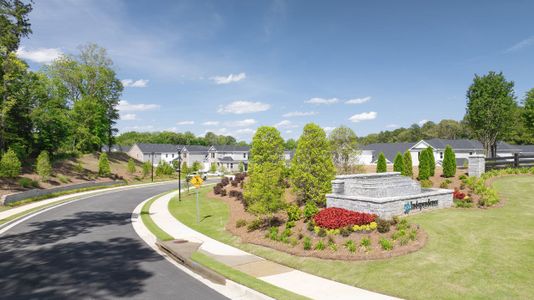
516 161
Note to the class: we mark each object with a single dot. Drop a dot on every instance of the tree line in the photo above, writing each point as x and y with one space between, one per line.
178 138
68 105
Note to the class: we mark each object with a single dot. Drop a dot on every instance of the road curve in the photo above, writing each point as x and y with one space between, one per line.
88 249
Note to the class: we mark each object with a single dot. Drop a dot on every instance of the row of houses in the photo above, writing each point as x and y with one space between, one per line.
463 148
229 157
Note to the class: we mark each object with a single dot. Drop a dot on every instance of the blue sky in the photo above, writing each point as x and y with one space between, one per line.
231 66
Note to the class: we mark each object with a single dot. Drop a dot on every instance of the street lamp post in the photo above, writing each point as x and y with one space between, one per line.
179 174
152 168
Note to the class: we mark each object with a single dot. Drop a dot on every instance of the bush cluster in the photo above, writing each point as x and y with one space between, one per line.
10 165
334 218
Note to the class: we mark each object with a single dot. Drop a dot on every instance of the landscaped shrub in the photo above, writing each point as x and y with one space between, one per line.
413 234
10 165
104 169
431 161
321 232
407 169
273 233
426 183
397 234
320 245
290 224
255 224
386 244
44 167
147 168
449 162
164 169
131 166
234 183
443 185
223 192
293 213
310 226
398 164
240 223
225 181
310 210
28 183
307 244
332 245
217 189
334 217
381 166
424 165
345 231
365 242
350 245
382 225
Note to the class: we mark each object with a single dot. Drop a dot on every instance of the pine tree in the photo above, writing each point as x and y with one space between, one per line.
398 164
263 192
131 166
312 168
104 169
449 162
424 165
44 168
10 164
381 166
432 161
407 169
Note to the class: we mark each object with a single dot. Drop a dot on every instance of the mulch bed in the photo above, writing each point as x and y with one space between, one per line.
237 212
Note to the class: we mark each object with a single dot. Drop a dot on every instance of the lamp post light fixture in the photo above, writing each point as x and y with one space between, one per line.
179 173
152 168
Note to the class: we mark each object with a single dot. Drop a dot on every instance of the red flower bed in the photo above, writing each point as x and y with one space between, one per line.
333 218
458 195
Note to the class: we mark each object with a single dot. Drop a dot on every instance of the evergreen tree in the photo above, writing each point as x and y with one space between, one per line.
449 162
263 192
398 164
381 166
432 161
424 165
312 168
104 169
407 169
528 114
44 168
131 166
10 165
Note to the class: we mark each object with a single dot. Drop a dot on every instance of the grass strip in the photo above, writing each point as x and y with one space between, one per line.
208 262
244 279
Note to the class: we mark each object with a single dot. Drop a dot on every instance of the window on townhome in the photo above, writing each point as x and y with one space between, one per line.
231 166
244 155
166 155
470 153
441 155
172 155
213 155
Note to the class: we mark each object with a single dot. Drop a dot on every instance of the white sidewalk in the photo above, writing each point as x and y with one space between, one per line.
299 282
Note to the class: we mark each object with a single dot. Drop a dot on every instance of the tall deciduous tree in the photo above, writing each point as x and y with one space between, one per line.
312 168
529 111
344 144
263 192
398 164
381 165
407 170
490 107
449 162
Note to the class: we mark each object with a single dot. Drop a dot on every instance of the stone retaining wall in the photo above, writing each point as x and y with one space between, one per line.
7 199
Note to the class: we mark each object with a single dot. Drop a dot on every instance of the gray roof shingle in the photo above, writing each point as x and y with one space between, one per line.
390 150
231 148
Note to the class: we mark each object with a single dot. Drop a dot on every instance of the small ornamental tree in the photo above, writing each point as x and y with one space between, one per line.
263 192
104 169
147 168
529 111
241 167
196 166
449 162
312 168
131 166
431 161
44 168
407 170
398 164
10 165
184 169
424 165
381 166
213 168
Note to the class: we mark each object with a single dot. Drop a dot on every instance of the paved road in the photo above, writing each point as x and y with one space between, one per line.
89 249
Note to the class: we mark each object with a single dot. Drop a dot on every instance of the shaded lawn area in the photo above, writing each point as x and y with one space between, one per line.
470 253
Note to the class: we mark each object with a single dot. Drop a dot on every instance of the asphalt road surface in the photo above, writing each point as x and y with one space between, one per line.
89 250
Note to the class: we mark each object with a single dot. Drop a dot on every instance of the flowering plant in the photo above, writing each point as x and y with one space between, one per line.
458 195
334 217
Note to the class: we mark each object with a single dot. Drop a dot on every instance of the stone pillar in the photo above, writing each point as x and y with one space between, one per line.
477 165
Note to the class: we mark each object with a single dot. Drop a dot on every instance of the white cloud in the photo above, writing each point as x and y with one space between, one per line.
126 106
363 117
245 131
299 114
229 79
40 55
285 124
243 107
522 44
185 123
392 126
322 101
289 131
140 83
241 123
139 128
211 123
358 100
422 122
129 117
327 129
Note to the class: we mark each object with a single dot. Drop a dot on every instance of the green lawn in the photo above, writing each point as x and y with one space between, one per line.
471 253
